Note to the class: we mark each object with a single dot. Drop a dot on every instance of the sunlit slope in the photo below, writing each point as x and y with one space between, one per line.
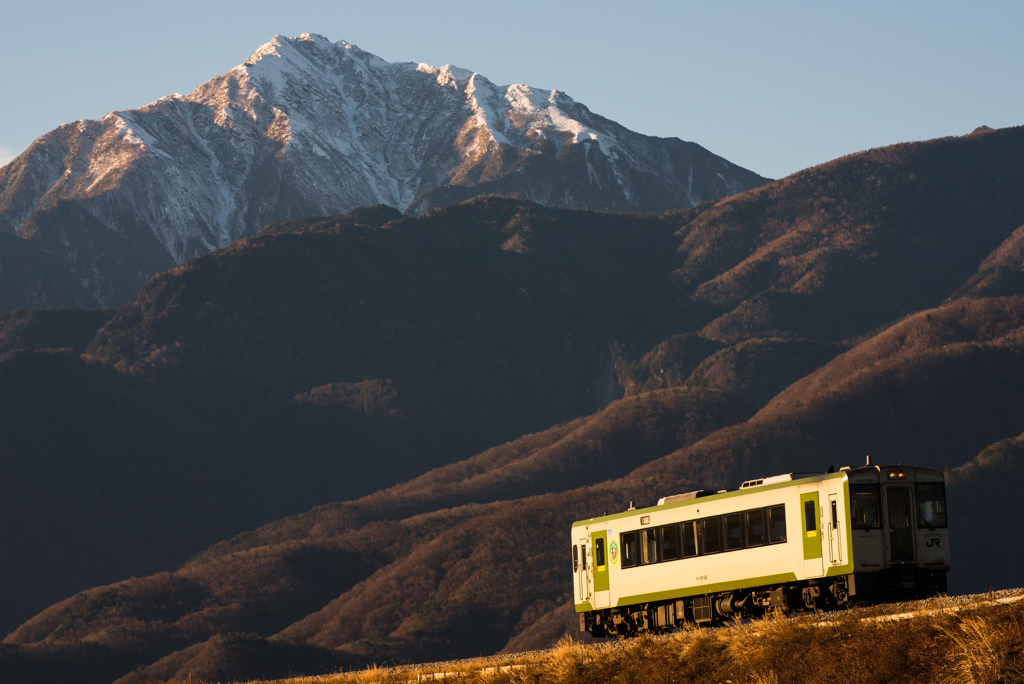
846 246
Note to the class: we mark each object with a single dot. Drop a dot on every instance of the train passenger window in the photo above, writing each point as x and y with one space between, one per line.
649 546
575 558
689 535
777 524
755 527
733 531
670 543
864 506
599 553
931 504
712 542
810 517
627 540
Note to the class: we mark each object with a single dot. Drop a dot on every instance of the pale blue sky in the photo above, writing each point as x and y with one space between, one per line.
774 87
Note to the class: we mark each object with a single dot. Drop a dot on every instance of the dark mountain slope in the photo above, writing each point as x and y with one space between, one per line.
110 267
493 318
29 277
935 388
962 327
106 475
752 370
757 369
80 457
586 451
317 363
242 658
37 329
984 496
284 578
1001 273
668 364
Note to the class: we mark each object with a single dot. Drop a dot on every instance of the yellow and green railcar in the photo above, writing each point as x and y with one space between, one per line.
796 542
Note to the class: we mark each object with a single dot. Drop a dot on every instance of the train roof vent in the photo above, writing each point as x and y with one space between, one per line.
688 496
775 479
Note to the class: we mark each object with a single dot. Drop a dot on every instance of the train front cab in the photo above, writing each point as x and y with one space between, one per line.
900 537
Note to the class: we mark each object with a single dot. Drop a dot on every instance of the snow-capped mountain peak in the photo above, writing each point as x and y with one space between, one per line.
310 126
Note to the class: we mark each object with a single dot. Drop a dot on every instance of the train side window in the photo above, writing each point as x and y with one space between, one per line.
931 504
629 551
599 553
689 534
755 527
649 546
575 558
712 541
733 531
670 543
583 554
777 524
864 506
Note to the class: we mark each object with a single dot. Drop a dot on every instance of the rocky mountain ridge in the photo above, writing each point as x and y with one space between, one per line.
309 127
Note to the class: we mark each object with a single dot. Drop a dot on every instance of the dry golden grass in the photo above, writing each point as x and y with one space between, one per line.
980 645
984 650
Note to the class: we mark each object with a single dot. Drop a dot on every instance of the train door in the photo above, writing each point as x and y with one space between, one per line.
600 554
586 572
835 546
810 513
899 523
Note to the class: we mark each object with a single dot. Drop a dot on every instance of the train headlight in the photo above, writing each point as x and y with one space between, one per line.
897 475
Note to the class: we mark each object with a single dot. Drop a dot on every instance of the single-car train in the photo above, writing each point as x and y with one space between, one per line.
792 542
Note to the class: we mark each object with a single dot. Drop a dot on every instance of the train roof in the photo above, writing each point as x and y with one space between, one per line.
759 485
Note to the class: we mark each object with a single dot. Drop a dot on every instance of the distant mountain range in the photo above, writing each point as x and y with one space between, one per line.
407 412
310 127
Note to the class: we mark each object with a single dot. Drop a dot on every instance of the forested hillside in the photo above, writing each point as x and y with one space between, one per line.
424 405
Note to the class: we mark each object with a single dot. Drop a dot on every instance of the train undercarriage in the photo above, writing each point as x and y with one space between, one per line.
898 583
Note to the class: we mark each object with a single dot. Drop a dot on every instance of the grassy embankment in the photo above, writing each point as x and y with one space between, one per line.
945 640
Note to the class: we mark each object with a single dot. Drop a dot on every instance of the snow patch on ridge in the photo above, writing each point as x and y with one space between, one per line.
448 75
483 99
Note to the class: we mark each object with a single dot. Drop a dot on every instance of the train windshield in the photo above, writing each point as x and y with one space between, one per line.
931 504
864 506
